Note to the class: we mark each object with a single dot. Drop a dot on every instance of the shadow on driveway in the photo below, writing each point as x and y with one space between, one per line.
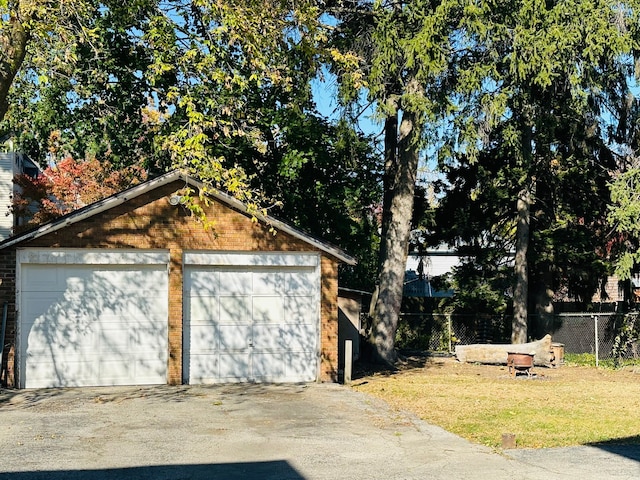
623 447
263 470
31 398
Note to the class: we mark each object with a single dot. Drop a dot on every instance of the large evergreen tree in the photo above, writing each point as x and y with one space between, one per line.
540 86
405 48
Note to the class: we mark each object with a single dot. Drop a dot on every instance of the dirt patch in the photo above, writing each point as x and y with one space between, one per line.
565 372
418 363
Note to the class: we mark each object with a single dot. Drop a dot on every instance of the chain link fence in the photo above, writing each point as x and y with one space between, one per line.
604 336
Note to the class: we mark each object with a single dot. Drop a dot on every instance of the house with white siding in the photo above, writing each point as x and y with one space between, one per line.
12 163
423 266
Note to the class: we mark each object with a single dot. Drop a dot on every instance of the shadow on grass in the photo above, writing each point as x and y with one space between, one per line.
407 360
624 447
278 469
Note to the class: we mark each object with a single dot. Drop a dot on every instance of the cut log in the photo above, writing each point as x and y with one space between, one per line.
497 354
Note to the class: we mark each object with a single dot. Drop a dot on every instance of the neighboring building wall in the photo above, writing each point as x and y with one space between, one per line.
12 164
150 222
349 324
436 262
7 162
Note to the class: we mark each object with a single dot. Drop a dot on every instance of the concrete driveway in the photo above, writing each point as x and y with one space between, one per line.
314 431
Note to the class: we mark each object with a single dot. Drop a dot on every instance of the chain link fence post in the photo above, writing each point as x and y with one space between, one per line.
596 339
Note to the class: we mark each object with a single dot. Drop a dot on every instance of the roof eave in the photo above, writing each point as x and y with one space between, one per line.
133 192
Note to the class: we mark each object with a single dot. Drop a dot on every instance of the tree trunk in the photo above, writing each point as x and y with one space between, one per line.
13 47
541 268
390 170
395 242
388 179
519 324
544 301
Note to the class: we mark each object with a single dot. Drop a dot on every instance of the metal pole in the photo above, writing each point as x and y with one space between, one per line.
595 324
450 332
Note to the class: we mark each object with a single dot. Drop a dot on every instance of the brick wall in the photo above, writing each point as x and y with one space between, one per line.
329 330
612 292
150 222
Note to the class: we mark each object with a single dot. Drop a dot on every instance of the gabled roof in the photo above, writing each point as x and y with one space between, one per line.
175 175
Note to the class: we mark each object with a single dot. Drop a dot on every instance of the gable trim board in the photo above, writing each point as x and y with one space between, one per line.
290 289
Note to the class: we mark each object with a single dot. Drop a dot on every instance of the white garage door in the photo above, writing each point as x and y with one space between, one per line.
90 324
251 318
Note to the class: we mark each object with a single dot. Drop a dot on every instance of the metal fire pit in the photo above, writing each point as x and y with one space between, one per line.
519 362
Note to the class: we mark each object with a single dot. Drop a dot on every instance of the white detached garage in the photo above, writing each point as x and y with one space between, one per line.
131 290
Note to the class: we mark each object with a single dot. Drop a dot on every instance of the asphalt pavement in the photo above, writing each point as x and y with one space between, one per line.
311 431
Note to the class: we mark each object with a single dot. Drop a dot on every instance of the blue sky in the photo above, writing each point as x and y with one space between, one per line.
325 94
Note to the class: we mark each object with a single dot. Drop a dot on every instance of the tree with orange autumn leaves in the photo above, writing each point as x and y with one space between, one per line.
67 186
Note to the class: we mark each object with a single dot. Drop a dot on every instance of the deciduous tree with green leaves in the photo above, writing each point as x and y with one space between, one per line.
221 89
194 62
15 32
42 32
96 104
